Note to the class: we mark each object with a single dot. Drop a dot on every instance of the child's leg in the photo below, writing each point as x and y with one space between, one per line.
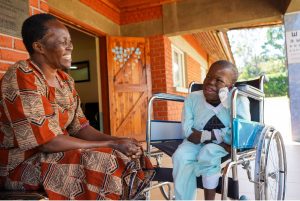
184 160
210 184
209 160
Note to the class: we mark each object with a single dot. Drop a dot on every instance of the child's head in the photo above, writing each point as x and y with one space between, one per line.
221 74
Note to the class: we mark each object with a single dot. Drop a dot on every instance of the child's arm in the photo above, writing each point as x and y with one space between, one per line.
197 136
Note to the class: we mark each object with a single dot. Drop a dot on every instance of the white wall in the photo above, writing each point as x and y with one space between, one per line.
85 49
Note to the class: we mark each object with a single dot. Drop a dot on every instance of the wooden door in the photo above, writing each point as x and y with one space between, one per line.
129 83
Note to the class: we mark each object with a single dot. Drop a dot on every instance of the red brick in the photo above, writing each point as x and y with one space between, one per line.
6 41
194 72
34 3
35 11
19 45
104 9
44 6
10 55
4 66
140 15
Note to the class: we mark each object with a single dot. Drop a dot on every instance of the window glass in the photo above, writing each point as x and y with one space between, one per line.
178 67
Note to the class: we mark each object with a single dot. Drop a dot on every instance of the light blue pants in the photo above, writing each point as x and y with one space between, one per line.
191 161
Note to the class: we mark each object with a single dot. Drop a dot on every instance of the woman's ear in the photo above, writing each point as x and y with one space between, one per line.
37 46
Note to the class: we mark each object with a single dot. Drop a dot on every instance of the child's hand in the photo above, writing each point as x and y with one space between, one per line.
195 137
227 147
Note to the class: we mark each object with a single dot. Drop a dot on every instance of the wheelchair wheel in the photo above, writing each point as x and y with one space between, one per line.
270 166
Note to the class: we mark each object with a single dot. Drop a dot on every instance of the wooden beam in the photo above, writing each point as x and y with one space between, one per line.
293 6
201 15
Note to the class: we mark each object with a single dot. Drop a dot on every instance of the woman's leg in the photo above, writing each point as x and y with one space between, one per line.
100 173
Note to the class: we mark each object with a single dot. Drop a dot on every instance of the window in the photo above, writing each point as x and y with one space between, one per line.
178 68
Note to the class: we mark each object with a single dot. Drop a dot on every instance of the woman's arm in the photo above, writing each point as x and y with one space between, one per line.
65 143
91 134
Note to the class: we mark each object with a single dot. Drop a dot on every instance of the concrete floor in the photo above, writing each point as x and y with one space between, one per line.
277 114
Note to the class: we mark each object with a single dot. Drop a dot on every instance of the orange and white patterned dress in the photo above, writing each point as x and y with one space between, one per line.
31 114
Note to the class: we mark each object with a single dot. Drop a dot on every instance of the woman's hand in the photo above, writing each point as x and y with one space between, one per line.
128 146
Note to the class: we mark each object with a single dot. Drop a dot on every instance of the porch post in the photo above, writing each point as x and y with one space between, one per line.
292 33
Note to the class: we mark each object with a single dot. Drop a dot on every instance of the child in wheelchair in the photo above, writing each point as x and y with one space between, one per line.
206 126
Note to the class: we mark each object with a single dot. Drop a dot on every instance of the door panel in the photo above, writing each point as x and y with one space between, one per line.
129 83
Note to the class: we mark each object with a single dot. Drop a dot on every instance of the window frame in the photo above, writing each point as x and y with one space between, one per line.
182 69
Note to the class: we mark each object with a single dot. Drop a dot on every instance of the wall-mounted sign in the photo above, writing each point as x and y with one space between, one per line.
12 15
293 46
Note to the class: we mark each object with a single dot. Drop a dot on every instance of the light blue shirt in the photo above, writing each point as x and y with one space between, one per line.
197 112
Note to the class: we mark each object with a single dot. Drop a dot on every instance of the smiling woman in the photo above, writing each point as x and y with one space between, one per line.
45 139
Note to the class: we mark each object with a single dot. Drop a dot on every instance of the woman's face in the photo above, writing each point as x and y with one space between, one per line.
57 45
216 78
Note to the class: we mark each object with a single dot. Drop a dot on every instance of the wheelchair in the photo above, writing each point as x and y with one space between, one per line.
251 141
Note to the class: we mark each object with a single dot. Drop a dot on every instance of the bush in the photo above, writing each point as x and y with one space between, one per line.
277 85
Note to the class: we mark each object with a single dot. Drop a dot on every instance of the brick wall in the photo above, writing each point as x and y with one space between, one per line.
140 15
124 16
107 10
162 77
194 70
158 74
157 59
12 48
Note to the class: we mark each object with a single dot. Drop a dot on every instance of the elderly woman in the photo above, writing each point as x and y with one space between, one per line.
46 141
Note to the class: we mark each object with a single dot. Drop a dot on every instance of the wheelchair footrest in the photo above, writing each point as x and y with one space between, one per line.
165 174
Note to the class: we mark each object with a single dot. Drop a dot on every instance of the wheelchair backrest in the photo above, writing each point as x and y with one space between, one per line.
254 104
168 130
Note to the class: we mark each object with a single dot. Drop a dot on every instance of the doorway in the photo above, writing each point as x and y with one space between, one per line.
85 70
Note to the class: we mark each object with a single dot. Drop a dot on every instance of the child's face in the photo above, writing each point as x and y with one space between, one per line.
216 78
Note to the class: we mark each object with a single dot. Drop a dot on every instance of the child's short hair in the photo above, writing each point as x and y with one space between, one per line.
227 64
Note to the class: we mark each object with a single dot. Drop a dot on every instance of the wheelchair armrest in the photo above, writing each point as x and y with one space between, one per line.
170 97
251 91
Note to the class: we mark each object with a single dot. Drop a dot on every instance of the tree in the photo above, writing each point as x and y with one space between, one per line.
260 51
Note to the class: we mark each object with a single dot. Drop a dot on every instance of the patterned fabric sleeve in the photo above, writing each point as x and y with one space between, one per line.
28 107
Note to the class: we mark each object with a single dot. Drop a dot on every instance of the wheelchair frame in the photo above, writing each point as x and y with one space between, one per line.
263 177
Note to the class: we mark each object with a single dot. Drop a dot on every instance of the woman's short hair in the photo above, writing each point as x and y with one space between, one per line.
33 29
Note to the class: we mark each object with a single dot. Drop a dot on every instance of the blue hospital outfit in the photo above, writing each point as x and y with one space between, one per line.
192 160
